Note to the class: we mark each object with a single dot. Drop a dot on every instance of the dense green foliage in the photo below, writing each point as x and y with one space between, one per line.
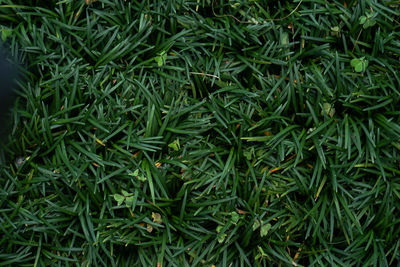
200 133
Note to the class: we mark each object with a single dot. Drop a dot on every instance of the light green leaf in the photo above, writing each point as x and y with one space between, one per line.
159 61
335 29
135 173
247 154
369 23
161 58
235 217
328 109
264 229
141 178
354 62
175 145
5 33
359 64
370 14
221 238
235 5
126 194
285 38
359 67
129 201
119 198
362 19
219 228
256 224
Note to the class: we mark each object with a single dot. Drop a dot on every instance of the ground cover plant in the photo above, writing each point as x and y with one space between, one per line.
202 133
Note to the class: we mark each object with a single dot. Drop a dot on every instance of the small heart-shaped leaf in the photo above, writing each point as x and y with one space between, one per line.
235 217
159 61
141 178
129 201
256 224
126 194
359 64
119 198
354 62
264 229
175 145
135 173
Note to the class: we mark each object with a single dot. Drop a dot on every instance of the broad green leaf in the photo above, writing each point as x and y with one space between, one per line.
256 224
175 145
369 23
247 154
5 33
354 62
221 238
328 109
335 28
141 178
159 60
370 14
129 201
265 229
126 194
135 173
359 64
119 198
235 217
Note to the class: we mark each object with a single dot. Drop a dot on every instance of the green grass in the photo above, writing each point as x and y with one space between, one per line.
200 133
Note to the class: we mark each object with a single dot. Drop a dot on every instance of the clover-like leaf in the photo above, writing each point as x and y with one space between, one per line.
175 145
235 217
369 23
119 198
256 224
265 229
247 154
161 59
359 64
129 201
135 173
328 108
370 14
141 178
221 238
126 194
362 19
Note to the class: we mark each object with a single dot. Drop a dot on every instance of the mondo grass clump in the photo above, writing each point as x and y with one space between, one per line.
202 133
